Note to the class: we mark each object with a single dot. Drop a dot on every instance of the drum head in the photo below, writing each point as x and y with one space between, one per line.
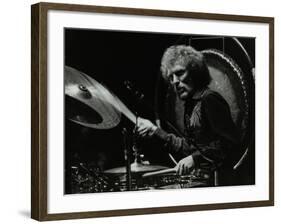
229 80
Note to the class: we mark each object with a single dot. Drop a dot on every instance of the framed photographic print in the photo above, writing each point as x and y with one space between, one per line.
138 111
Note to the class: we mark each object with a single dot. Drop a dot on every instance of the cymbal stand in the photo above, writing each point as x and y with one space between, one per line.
137 156
127 160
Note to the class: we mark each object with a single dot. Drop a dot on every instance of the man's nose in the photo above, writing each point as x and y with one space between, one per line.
175 80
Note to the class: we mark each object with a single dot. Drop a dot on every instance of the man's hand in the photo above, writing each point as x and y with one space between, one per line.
185 165
145 127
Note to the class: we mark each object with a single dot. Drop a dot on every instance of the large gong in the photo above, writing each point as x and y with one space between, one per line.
229 80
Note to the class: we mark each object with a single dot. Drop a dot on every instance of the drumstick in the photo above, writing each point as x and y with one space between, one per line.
170 170
172 158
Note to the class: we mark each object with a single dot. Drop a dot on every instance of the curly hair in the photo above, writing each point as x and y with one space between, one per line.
189 58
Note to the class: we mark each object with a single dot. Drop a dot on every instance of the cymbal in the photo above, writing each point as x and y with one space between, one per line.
136 168
89 103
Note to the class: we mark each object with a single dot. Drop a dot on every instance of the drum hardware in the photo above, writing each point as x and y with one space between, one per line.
132 170
168 179
85 179
127 160
172 181
104 111
135 168
166 171
97 107
129 178
138 96
132 89
196 173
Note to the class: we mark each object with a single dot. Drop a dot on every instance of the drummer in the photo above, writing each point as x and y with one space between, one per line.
210 135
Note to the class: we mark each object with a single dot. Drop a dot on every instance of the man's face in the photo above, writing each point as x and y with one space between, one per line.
180 78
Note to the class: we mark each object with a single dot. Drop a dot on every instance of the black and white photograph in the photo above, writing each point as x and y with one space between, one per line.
157 111
136 111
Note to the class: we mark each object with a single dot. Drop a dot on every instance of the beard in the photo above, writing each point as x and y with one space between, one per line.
184 91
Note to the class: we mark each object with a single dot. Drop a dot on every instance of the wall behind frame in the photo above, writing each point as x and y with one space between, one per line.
15 112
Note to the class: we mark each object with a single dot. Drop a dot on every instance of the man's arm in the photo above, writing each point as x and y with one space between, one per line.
217 113
211 152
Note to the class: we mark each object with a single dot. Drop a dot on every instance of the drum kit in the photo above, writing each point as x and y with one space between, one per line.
95 106
92 105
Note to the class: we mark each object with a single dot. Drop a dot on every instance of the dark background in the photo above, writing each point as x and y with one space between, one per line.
111 58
